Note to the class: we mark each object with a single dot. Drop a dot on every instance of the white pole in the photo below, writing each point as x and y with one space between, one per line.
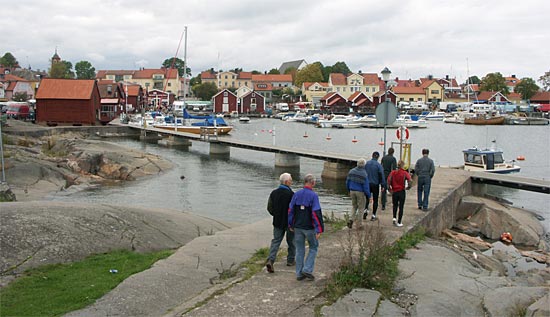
2 155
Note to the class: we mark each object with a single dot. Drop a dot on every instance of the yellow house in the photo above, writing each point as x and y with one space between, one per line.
433 91
409 94
162 78
346 86
313 92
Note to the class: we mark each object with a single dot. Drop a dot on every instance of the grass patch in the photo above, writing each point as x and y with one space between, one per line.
256 263
370 262
334 222
54 290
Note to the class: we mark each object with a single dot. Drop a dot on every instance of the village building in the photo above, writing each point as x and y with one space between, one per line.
68 102
224 102
251 102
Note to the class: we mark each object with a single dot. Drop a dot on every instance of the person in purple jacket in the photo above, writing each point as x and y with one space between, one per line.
305 219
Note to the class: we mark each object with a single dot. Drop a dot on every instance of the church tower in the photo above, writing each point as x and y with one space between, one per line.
55 58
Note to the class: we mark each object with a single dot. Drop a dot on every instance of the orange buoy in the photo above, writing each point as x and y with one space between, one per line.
328 137
520 158
354 140
305 135
381 142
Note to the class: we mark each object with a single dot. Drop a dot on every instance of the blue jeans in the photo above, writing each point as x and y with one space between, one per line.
278 235
300 236
424 184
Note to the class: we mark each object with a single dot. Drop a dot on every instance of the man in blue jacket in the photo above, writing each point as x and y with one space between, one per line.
376 179
357 184
305 219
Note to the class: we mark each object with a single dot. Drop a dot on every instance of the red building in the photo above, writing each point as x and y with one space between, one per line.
112 100
251 102
224 102
361 103
68 102
334 102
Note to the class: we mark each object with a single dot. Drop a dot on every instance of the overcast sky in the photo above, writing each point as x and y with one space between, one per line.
412 38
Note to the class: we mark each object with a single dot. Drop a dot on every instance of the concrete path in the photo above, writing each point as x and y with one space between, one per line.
176 284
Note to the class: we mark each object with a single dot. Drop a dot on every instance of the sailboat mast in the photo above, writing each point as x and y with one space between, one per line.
468 80
185 67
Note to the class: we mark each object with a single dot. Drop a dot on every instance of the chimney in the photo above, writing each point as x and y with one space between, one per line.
513 76
447 77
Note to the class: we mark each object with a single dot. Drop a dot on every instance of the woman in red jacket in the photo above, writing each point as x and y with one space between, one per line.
396 186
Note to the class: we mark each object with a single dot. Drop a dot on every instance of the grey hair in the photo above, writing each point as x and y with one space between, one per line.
309 179
361 162
285 177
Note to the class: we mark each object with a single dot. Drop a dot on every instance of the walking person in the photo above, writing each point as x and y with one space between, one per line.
305 219
424 169
277 206
375 174
396 186
357 184
389 163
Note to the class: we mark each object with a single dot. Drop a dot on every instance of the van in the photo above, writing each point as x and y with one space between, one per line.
18 110
282 106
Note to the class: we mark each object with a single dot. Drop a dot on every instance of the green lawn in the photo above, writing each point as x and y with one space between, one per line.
54 290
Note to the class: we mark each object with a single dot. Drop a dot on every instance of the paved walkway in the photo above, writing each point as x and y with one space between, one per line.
182 281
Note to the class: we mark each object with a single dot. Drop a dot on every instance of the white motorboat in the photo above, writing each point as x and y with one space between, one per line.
244 119
297 117
150 118
458 117
405 120
488 160
339 121
435 115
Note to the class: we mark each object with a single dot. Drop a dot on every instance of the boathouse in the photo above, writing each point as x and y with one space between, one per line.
361 103
334 102
224 102
251 102
68 102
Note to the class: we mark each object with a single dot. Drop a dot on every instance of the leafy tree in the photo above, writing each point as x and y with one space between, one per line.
205 91
195 80
57 70
178 64
274 71
84 70
527 88
545 81
324 70
8 60
20 96
494 82
277 93
237 70
256 72
292 71
472 80
340 67
310 73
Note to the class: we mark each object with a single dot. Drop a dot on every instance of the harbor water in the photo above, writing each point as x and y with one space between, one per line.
235 187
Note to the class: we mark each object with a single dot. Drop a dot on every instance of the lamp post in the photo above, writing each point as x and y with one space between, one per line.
385 77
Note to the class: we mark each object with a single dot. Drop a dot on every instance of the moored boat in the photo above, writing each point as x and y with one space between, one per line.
482 119
488 160
197 124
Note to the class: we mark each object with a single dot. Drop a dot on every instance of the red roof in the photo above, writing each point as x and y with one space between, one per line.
170 73
245 75
309 84
207 75
10 77
371 79
51 88
408 90
273 78
426 83
542 97
133 90
263 86
338 79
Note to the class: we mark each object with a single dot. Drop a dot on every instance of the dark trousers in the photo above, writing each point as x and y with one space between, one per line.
278 235
398 200
374 190
384 193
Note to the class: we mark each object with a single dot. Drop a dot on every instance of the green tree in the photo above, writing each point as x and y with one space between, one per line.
527 88
84 70
494 82
195 80
324 70
69 74
20 96
310 73
177 64
274 71
340 67
472 80
8 60
545 81
205 91
57 70
256 72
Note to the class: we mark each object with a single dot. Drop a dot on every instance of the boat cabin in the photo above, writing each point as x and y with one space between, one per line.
488 160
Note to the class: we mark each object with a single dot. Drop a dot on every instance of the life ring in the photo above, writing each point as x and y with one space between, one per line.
520 158
398 133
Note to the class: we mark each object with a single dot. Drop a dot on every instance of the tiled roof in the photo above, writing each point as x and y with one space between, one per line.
273 78
133 90
488 95
354 95
11 77
542 96
170 73
408 90
51 88
405 83
338 79
245 75
207 75
371 79
261 86
426 83
309 84
11 86
104 73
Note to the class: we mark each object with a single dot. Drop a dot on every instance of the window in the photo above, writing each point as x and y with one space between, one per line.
434 92
367 89
225 99
252 100
225 93
169 84
225 76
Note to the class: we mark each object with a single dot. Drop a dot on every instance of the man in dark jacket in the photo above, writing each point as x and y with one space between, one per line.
306 220
424 169
389 163
376 180
277 206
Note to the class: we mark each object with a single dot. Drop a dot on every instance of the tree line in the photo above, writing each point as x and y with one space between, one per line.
314 72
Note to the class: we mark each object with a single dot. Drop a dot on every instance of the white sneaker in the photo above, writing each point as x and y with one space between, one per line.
394 221
399 225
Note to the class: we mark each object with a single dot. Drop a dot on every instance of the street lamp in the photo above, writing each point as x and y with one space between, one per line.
385 77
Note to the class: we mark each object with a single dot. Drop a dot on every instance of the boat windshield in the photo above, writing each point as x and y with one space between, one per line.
498 158
472 158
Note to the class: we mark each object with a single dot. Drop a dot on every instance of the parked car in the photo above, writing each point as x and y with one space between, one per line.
18 110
